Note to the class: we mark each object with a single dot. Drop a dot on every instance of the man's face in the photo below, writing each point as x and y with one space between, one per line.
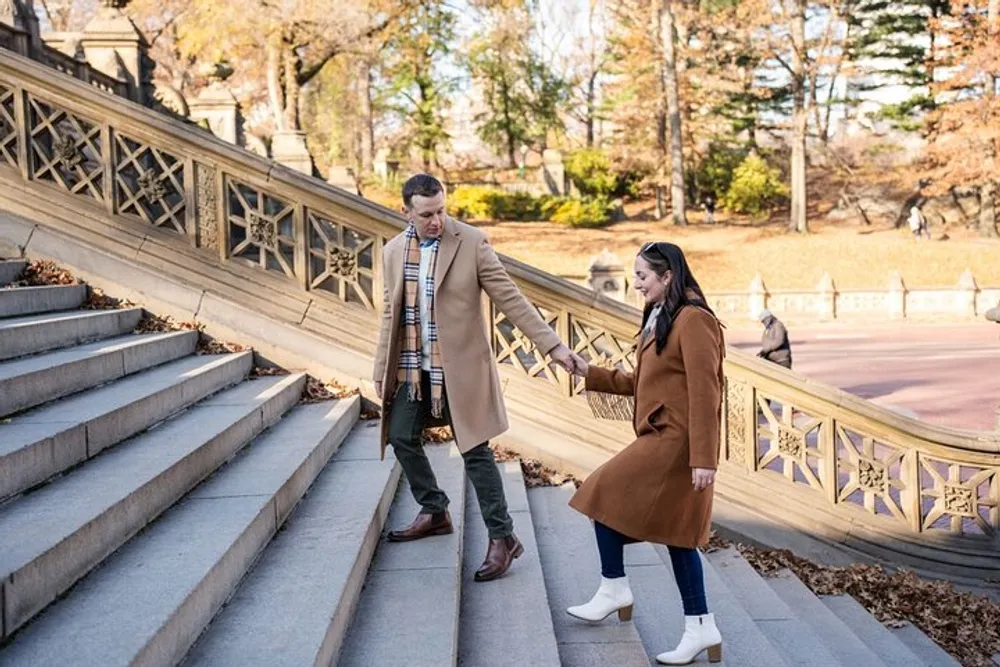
427 215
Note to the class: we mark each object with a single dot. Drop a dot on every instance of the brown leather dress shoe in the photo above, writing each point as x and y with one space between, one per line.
499 556
425 525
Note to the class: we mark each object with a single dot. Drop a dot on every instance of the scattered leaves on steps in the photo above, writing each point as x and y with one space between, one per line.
40 273
966 625
206 345
317 390
535 473
266 371
98 300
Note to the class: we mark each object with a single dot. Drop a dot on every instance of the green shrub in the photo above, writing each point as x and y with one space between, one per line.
468 202
714 172
582 213
756 187
591 173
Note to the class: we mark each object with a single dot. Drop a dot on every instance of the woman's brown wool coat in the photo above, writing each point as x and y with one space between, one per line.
645 491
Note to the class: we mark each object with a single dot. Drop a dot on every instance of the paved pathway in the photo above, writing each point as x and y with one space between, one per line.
948 375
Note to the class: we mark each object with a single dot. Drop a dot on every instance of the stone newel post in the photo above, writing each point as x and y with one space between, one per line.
113 45
607 275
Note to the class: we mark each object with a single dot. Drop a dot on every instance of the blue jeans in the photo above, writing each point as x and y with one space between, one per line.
686 563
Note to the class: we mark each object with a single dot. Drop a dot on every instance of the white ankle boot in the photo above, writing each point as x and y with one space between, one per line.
700 633
613 595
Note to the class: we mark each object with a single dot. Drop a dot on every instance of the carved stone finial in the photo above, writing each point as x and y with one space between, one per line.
216 72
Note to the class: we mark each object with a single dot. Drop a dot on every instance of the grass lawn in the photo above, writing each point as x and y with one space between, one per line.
726 256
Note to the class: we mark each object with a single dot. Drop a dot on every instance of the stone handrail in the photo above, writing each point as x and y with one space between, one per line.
858 469
19 41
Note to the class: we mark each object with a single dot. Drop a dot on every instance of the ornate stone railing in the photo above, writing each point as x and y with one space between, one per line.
826 301
95 167
19 41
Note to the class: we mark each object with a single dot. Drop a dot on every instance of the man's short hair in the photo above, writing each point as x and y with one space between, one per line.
423 185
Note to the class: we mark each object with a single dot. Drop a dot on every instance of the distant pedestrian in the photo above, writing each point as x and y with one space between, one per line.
918 224
710 209
774 344
993 314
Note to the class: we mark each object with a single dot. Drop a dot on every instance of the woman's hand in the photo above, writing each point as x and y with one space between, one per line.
702 478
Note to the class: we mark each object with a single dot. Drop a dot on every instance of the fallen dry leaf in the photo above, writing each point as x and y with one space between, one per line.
965 625
317 390
264 371
39 273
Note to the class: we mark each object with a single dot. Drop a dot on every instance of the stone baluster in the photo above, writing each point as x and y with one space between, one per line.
896 298
967 295
826 303
607 275
758 296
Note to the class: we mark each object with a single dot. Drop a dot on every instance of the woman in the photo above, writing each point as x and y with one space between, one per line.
659 488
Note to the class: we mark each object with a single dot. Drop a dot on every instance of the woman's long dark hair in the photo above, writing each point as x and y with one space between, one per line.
683 289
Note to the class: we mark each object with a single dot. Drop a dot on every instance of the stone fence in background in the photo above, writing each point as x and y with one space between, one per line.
826 301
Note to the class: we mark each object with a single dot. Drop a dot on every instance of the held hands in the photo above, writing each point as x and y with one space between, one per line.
702 478
569 360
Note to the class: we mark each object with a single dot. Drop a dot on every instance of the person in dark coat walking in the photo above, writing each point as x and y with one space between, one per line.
774 343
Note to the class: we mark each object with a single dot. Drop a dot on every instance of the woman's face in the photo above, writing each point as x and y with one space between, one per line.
652 287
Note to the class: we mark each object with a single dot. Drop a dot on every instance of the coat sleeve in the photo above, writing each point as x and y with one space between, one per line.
378 375
701 351
610 381
501 289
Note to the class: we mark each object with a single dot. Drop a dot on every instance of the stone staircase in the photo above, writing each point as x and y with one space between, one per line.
161 507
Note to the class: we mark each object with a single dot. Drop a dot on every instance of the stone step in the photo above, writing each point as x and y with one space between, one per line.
505 623
408 612
295 606
39 333
877 637
928 653
572 570
148 602
839 639
45 441
15 301
31 381
11 270
66 528
788 633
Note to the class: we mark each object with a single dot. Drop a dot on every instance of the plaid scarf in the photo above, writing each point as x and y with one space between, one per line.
411 355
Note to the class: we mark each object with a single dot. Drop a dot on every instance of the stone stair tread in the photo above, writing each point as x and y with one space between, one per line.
16 301
11 270
31 381
788 633
47 440
411 598
31 334
294 607
505 622
66 528
877 637
152 598
839 639
572 573
928 653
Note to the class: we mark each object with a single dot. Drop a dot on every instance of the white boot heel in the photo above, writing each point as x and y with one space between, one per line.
613 595
700 634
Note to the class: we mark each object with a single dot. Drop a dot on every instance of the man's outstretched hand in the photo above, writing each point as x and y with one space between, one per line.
572 363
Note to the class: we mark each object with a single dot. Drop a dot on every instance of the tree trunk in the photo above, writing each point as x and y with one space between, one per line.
987 210
275 93
591 108
674 112
292 89
367 120
798 221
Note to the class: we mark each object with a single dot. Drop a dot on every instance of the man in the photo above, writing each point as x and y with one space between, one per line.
918 224
433 345
774 343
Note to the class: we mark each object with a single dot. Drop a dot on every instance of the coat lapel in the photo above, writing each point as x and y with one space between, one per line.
450 242
394 271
